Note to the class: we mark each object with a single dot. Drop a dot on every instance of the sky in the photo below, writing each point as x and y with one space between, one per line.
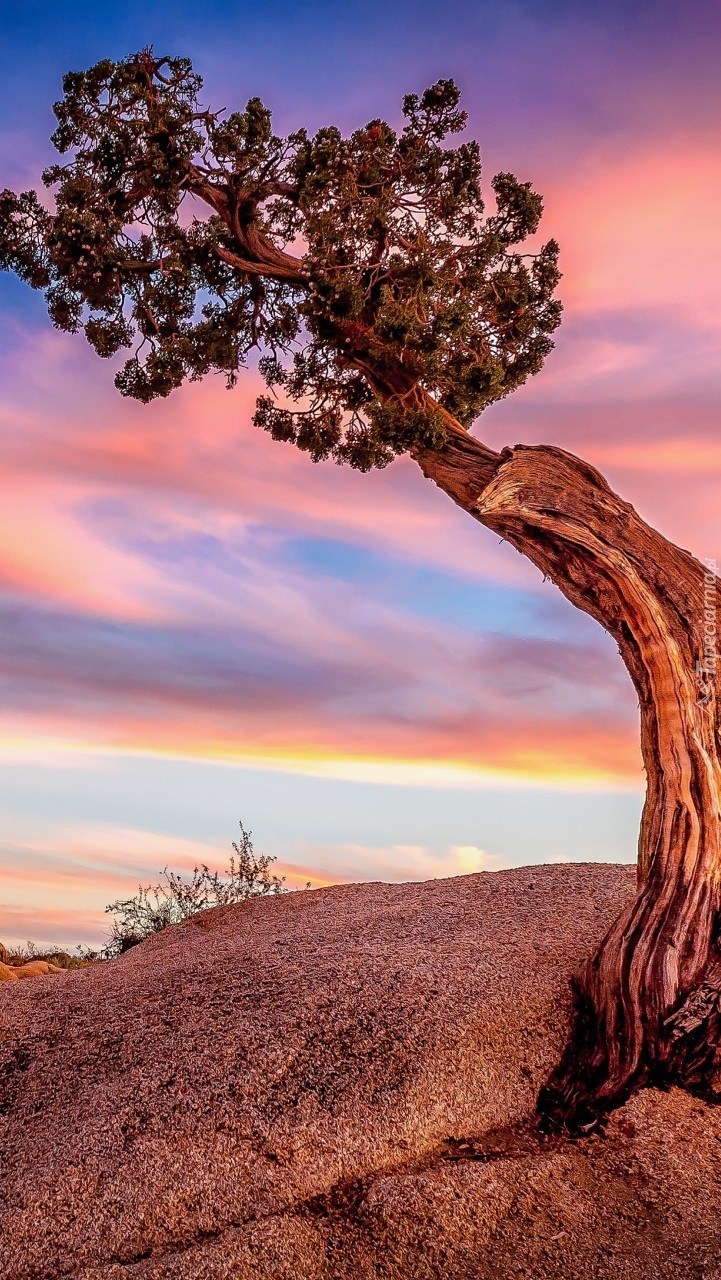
199 626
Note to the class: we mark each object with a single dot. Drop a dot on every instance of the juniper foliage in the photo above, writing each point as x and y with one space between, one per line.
364 271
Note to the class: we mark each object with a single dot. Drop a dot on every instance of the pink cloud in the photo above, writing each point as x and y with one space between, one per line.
48 552
46 925
198 452
636 227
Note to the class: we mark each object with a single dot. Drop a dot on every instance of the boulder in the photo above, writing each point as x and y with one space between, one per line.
36 968
32 969
337 1085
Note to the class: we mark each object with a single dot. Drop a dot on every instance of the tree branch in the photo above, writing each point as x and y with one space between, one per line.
292 272
260 256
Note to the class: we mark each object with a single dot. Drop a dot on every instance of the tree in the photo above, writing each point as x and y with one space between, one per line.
387 310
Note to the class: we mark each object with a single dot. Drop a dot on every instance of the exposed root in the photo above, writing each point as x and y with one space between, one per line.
570 1102
694 1035
578 1096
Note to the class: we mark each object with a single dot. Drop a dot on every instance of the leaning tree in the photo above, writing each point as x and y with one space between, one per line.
387 310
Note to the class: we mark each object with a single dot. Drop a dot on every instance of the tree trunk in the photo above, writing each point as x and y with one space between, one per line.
649 1002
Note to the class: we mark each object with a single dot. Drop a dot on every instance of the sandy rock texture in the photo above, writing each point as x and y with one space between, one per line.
334 1085
31 969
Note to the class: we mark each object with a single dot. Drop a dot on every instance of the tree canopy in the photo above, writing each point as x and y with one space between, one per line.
364 271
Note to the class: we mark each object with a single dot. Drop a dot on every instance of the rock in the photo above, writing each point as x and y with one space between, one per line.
4 954
33 969
36 968
335 1085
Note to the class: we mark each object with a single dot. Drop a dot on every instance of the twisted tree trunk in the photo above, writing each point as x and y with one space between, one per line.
649 1000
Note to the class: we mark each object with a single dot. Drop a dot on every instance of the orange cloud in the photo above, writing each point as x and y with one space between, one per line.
459 751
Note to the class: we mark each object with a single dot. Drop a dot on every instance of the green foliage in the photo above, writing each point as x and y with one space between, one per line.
156 906
173 233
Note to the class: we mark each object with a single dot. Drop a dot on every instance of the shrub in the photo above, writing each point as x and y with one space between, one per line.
20 955
156 906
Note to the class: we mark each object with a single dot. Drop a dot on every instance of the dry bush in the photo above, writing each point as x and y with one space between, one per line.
155 907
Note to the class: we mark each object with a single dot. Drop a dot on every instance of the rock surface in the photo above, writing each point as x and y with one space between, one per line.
333 1085
37 969
31 968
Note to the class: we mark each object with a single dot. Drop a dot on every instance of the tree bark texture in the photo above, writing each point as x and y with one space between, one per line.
649 1000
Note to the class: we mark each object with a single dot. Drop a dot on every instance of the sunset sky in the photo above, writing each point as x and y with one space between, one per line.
200 626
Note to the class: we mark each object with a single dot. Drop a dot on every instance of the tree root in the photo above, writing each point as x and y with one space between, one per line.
578 1097
693 1033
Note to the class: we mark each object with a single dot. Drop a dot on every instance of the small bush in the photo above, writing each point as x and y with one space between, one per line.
156 906
17 956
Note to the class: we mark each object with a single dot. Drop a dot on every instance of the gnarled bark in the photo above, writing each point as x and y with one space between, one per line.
650 998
